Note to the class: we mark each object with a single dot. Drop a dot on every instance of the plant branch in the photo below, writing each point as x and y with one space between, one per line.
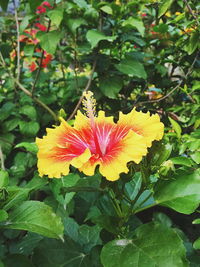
2 159
27 92
86 89
146 207
175 88
36 100
18 42
40 64
191 12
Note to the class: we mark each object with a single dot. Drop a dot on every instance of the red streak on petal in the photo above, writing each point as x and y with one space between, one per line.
103 141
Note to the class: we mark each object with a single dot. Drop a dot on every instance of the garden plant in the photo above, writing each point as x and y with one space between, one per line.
99 133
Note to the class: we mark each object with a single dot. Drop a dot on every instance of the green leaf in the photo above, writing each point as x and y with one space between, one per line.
107 9
57 254
196 221
37 217
56 16
49 41
3 215
31 147
4 178
159 153
11 124
132 67
182 161
73 24
29 128
132 188
196 244
34 4
4 4
165 5
154 245
15 196
95 36
81 3
193 43
136 23
110 86
176 127
18 260
180 193
6 110
89 236
26 245
29 111
24 23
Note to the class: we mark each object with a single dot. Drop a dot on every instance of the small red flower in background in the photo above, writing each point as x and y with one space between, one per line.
41 27
143 14
46 60
42 8
33 66
30 38
47 4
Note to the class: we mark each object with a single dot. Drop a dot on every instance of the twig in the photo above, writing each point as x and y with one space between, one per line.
36 100
2 159
27 92
86 89
18 42
176 87
191 12
40 64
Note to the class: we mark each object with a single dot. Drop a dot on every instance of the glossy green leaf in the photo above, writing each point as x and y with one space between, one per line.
132 67
3 215
29 128
176 127
132 188
49 41
37 217
56 16
74 24
95 36
182 161
154 245
180 193
31 147
196 244
196 157
28 110
107 9
110 86
136 23
4 178
165 5
193 43
196 221
57 253
26 245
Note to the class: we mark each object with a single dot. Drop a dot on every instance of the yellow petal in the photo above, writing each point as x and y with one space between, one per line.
88 168
81 121
101 118
52 168
80 160
148 126
133 148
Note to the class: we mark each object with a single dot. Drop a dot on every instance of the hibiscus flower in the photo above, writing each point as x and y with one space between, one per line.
97 141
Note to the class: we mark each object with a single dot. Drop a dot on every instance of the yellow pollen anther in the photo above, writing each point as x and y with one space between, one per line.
89 105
